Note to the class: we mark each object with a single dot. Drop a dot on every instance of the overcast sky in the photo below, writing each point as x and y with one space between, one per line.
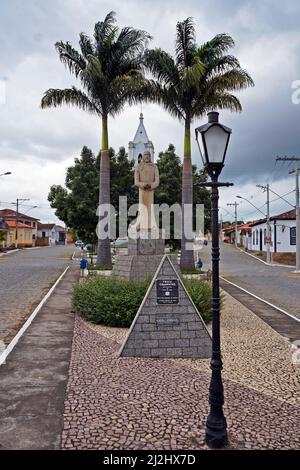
37 145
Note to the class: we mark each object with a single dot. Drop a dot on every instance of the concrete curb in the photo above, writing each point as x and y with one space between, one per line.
28 322
272 265
9 252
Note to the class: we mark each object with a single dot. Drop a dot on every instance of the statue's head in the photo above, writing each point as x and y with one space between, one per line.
146 156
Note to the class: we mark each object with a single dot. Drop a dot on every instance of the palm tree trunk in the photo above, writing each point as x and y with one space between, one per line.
187 256
104 251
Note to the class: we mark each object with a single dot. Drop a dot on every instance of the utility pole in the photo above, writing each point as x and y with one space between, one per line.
235 220
17 219
268 238
296 172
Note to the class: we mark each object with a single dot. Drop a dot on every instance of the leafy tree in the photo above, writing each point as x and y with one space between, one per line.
201 196
169 190
109 68
76 204
170 173
122 182
199 79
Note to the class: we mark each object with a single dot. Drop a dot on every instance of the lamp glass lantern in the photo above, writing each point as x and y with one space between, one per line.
213 144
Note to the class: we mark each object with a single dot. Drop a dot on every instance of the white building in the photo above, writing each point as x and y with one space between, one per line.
140 143
51 234
283 234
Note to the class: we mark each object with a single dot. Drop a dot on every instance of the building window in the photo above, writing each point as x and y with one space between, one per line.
33 224
253 237
265 235
43 234
256 237
293 240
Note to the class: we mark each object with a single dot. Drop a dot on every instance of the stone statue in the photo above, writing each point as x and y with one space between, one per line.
146 178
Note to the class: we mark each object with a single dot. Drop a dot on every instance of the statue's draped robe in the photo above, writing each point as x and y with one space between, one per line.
146 174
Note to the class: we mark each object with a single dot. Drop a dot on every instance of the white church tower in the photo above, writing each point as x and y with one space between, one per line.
140 143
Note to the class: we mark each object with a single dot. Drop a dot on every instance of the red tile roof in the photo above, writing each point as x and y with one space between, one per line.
13 223
9 213
289 215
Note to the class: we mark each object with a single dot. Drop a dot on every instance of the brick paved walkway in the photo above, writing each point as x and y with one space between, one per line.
131 403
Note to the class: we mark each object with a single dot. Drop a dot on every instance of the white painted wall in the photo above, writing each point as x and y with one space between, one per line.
53 234
283 237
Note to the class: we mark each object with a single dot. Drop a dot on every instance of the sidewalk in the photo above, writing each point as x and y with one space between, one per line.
118 403
89 398
34 379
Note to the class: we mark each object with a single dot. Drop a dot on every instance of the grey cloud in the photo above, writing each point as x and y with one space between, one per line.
266 42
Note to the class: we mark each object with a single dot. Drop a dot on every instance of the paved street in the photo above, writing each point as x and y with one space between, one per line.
25 278
278 285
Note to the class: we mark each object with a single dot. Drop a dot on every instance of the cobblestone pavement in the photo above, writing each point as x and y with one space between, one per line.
25 277
253 353
133 403
278 285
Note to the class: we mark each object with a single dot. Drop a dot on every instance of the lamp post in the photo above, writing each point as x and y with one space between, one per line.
213 147
6 174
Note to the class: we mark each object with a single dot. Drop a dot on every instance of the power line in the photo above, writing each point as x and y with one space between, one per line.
277 199
254 212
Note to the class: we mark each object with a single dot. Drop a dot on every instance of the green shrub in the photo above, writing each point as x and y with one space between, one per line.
200 292
109 301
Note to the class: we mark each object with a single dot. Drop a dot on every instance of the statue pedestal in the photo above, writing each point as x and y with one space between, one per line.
146 242
144 256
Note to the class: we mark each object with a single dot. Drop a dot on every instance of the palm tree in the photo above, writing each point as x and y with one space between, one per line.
109 68
197 80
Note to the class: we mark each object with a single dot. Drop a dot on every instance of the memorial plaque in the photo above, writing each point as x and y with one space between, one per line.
167 292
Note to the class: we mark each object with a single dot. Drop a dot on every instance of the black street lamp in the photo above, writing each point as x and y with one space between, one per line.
6 174
215 138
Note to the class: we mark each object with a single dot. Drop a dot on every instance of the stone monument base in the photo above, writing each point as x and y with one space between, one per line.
145 253
139 267
146 242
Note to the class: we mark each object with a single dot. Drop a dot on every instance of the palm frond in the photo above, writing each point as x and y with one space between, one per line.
216 47
232 80
162 66
192 75
224 101
185 42
71 58
132 41
86 45
105 32
69 96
